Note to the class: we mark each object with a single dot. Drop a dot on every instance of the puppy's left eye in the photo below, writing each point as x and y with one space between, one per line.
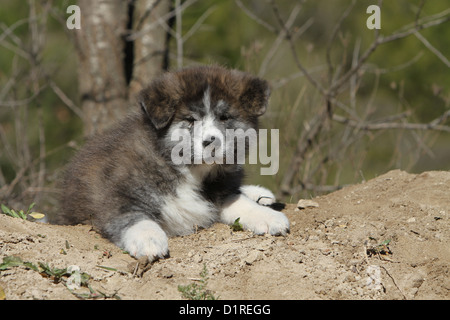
224 117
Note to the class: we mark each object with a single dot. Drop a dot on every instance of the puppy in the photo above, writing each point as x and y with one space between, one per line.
137 184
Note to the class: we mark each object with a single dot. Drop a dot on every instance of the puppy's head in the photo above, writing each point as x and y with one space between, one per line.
205 101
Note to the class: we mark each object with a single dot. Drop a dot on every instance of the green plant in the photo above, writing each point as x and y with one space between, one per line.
14 261
55 274
380 248
237 226
21 214
196 291
58 275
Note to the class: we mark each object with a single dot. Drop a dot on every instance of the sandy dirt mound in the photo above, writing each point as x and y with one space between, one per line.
387 238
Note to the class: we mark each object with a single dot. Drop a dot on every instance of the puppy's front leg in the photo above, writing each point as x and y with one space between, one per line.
259 194
144 238
254 217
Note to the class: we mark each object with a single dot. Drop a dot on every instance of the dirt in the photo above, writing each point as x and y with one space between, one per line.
387 238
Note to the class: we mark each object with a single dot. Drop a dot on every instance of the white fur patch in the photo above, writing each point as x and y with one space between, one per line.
145 238
207 99
259 194
254 217
183 212
214 152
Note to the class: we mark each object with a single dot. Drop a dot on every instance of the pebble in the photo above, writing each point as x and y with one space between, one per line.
303 203
197 258
253 257
416 281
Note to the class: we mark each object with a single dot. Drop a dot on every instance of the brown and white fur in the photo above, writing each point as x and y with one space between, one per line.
126 185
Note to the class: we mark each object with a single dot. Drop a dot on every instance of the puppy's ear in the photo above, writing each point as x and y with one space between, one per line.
255 96
160 100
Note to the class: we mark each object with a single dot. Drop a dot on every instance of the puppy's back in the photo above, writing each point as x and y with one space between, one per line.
104 174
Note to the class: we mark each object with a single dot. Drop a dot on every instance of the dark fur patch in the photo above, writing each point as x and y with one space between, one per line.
174 91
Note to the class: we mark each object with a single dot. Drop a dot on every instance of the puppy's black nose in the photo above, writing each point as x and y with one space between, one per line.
209 141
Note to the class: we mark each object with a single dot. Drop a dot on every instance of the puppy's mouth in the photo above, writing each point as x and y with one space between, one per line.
211 158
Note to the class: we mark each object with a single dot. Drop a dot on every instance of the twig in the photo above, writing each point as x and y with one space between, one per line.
136 268
159 22
147 14
7 189
289 38
433 125
333 36
178 34
64 98
395 283
198 23
276 44
256 18
379 40
432 49
16 103
366 257
195 279
305 141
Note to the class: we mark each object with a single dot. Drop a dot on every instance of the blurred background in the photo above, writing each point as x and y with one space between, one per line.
350 103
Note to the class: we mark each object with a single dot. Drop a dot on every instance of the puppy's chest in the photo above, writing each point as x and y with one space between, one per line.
186 209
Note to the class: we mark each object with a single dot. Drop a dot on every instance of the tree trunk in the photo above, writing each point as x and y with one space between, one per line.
151 43
113 68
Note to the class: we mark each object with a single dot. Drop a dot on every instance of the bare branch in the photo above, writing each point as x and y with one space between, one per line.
178 34
159 22
379 40
16 103
333 36
433 125
289 38
278 40
199 23
258 20
64 98
432 49
317 133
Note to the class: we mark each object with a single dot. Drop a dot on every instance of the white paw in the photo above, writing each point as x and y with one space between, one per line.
259 194
265 220
254 217
145 238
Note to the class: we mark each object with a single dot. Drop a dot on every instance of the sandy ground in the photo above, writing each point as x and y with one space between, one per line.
387 238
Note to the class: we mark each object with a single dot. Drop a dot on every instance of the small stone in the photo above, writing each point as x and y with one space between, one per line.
197 258
416 281
165 273
329 223
253 257
350 278
303 203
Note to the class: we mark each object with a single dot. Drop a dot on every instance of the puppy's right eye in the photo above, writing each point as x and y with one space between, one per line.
190 119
